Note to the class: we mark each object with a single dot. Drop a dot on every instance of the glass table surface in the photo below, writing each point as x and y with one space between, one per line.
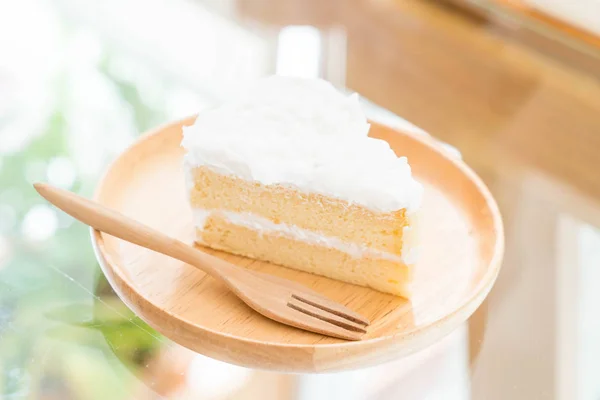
79 80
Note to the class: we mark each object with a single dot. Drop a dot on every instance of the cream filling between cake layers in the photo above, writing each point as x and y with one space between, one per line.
264 225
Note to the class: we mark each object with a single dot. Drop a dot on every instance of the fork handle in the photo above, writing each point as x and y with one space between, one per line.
116 224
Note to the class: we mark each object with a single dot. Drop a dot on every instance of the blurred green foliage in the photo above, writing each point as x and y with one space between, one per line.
63 332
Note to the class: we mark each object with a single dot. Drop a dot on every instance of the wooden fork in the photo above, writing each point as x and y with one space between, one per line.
276 298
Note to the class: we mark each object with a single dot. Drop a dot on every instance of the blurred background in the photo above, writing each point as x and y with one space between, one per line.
512 85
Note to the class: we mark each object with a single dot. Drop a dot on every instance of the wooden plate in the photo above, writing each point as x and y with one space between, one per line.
462 247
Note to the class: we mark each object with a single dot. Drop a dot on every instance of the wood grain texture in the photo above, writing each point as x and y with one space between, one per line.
499 102
557 22
279 299
462 239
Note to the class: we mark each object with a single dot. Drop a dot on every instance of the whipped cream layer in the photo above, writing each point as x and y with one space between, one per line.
303 133
261 224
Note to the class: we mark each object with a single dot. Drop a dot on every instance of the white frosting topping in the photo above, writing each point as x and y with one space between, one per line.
261 224
303 133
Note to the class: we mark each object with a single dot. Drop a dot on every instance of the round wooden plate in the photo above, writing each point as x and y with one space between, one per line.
462 247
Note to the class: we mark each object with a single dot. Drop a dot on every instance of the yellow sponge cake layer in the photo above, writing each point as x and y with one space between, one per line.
385 274
286 172
311 211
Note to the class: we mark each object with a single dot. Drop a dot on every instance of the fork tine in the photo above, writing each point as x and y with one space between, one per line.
315 299
326 316
332 307
309 323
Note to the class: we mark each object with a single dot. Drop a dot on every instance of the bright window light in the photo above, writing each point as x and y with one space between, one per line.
299 52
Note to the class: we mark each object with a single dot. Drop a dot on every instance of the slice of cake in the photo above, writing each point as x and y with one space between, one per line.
286 173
